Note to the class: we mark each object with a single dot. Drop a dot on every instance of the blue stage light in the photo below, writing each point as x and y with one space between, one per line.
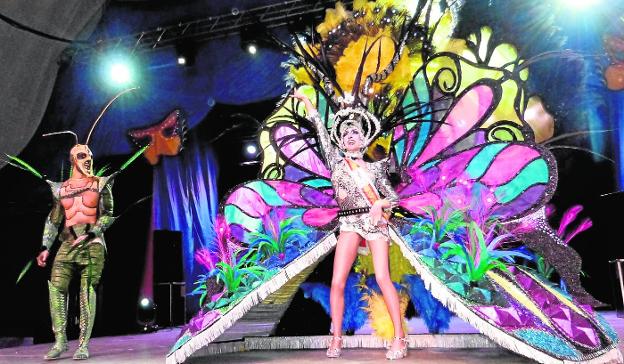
120 73
580 4
118 70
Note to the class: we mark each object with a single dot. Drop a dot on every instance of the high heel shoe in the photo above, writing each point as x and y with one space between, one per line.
397 354
334 352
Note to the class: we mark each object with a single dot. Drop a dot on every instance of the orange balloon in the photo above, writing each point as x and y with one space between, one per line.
614 75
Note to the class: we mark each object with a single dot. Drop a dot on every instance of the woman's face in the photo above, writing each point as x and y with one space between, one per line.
352 140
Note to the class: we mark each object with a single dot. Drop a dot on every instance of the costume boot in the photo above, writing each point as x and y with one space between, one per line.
87 317
58 313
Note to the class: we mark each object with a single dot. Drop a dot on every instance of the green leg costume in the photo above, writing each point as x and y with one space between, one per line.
87 259
58 312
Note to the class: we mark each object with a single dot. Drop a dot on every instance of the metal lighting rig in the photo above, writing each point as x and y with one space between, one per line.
292 12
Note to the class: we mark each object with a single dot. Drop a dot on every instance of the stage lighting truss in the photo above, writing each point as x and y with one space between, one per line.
292 12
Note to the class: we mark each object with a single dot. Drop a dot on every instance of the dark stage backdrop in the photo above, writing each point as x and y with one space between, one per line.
30 62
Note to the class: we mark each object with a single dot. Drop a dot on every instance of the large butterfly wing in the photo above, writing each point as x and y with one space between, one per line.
295 176
445 163
511 179
293 193
290 149
247 205
517 177
518 310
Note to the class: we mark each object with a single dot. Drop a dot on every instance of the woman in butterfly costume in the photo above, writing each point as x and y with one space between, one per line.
363 192
450 113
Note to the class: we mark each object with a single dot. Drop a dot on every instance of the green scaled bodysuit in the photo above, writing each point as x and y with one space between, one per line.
86 259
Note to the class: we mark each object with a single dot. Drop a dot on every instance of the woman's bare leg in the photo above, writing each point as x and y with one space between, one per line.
346 251
379 249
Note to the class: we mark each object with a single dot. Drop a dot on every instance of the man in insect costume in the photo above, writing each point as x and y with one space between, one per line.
82 210
85 203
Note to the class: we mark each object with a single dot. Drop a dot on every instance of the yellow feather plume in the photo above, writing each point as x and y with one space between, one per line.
333 17
404 71
300 75
378 35
359 4
347 66
379 316
399 266
382 142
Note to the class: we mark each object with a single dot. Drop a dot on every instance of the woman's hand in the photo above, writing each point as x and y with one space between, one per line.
300 96
376 212
310 110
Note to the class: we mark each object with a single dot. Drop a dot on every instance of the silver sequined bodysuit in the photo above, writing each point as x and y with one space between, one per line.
349 195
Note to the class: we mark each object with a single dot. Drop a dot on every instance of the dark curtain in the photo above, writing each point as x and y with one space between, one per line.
30 62
185 199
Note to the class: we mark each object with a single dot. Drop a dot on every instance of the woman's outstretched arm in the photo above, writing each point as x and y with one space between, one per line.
327 148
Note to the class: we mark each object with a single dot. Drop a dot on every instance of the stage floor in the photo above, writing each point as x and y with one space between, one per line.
152 348
141 348
372 356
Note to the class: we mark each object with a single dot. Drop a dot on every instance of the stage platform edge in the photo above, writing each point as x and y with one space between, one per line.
449 341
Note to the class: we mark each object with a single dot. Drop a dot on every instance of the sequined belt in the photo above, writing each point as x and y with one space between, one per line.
357 211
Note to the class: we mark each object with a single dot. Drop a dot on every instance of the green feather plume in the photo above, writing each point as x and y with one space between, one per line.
24 271
134 156
23 165
102 170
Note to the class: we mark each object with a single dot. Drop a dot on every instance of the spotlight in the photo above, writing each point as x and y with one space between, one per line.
580 4
253 37
187 52
251 150
119 73
146 315
118 70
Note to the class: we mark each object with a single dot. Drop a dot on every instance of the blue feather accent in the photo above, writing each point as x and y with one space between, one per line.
372 286
354 314
436 316
317 292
